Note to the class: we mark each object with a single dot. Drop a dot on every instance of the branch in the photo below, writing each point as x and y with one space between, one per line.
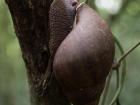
128 52
30 19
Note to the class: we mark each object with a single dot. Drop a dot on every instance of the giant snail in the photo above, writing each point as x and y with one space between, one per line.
82 50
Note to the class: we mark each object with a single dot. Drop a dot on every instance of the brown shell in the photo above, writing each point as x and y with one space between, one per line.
84 58
61 18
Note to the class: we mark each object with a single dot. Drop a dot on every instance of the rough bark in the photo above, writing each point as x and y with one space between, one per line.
30 19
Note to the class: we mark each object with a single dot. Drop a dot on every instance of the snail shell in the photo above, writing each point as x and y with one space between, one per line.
84 58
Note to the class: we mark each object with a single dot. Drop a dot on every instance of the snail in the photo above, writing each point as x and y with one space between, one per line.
84 58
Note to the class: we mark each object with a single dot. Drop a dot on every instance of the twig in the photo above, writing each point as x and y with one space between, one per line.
106 88
128 52
122 78
123 72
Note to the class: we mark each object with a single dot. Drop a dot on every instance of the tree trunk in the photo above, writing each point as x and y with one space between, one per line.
30 18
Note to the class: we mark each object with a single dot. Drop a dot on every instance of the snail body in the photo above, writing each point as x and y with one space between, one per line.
84 58
61 18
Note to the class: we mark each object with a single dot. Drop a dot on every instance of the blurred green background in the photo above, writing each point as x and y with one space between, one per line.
13 81
124 20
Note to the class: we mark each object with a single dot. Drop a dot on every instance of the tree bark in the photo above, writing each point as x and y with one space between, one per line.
30 19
